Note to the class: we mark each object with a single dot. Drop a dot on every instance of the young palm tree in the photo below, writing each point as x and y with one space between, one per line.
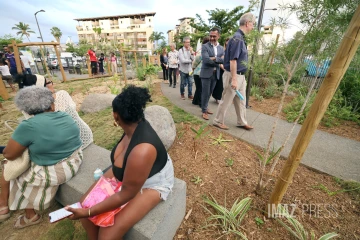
56 32
23 29
155 37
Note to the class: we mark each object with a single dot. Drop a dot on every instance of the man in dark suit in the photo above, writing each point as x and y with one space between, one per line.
212 54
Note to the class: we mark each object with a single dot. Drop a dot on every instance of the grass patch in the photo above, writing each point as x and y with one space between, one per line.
177 113
101 123
65 229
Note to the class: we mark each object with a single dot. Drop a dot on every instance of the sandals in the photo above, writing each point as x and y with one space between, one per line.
28 222
5 216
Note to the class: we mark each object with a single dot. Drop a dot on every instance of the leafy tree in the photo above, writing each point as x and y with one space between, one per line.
7 39
332 19
79 50
23 29
227 21
155 37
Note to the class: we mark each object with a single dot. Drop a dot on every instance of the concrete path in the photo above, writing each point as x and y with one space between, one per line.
329 153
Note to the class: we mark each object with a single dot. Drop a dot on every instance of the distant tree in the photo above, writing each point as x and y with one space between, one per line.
7 39
23 29
97 31
155 37
227 21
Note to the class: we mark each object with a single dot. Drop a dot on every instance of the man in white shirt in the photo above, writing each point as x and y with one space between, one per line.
26 63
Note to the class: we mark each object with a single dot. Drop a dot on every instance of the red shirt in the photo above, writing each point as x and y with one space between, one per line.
92 56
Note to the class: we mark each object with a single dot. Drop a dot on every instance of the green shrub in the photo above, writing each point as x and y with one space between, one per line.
333 115
350 88
270 91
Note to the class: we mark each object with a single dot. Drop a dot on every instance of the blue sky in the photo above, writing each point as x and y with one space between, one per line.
61 13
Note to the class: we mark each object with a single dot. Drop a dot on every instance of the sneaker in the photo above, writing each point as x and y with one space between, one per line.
182 96
190 97
174 86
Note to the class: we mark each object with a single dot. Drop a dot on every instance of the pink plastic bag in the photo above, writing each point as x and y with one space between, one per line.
103 189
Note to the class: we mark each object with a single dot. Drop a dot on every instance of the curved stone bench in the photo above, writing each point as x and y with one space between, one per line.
160 223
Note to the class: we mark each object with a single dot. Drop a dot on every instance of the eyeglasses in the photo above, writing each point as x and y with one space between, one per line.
50 82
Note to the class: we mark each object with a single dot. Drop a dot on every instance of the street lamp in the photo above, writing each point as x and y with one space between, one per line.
248 86
38 24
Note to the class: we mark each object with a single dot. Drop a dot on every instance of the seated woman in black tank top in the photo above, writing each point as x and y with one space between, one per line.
140 161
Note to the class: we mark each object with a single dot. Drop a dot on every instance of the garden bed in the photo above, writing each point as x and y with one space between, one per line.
227 172
269 106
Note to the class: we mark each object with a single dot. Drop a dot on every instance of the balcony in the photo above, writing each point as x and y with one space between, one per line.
79 28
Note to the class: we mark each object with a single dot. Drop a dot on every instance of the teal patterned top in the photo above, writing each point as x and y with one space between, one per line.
197 65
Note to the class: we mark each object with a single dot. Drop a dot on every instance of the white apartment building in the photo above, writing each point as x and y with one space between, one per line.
133 30
184 26
269 37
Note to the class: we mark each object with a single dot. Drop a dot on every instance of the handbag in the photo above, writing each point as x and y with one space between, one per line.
104 188
14 168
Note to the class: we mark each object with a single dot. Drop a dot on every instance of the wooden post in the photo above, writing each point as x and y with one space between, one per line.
89 66
60 64
17 58
144 62
3 92
123 63
273 51
109 68
45 63
337 69
136 63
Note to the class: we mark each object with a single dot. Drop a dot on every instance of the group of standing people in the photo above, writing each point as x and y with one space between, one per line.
8 67
98 63
219 71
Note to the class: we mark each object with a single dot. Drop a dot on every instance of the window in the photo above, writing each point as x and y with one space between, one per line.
121 22
149 20
101 23
107 34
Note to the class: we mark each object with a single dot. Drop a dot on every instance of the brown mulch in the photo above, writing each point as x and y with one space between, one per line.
338 213
269 106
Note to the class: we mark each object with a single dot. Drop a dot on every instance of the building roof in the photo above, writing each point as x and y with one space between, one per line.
117 16
186 18
169 31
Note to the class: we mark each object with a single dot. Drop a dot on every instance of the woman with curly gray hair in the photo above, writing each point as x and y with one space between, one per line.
53 140
63 102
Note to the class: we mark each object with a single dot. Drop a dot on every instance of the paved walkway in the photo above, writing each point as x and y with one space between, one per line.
326 152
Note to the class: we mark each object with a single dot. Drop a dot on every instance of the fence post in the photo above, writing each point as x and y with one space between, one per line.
60 64
3 92
88 65
123 63
136 62
45 63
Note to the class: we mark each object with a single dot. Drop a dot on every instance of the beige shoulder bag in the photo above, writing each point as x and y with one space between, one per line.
14 168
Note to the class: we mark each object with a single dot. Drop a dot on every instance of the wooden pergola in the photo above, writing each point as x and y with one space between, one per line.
15 46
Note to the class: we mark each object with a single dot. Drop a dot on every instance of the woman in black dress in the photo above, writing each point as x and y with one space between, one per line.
164 64
101 63
197 68
217 93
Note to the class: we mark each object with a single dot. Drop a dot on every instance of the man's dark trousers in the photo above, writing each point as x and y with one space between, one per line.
208 85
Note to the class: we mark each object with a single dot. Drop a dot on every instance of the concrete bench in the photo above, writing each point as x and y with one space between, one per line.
161 223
